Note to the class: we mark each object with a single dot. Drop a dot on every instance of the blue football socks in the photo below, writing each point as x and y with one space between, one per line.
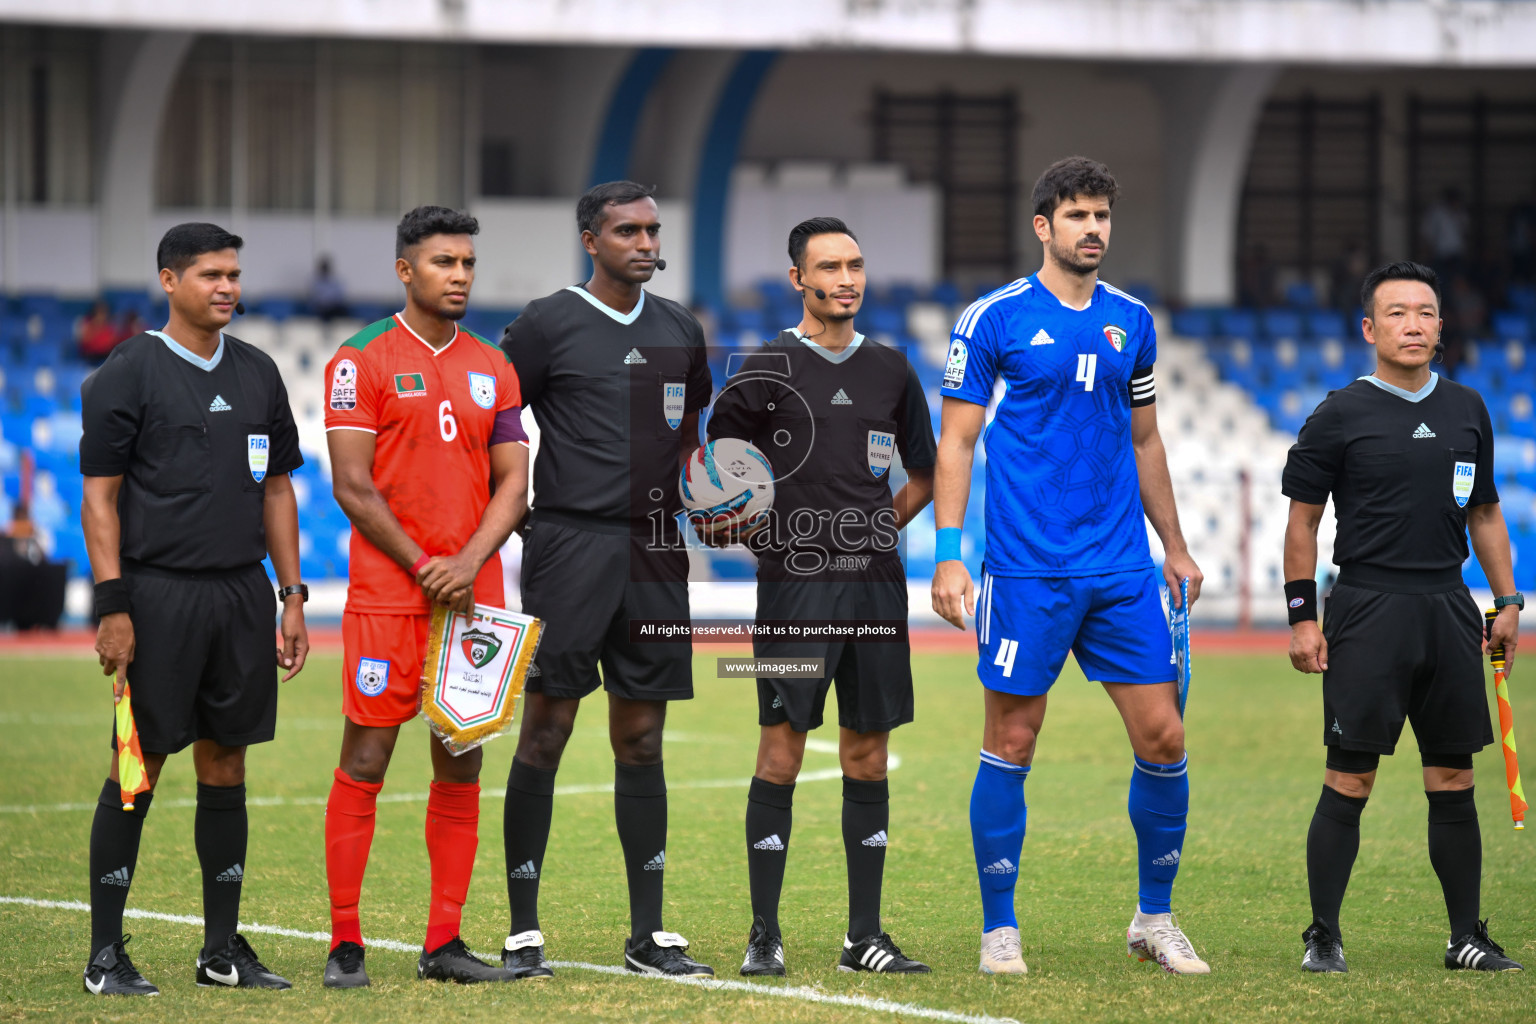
1159 808
997 836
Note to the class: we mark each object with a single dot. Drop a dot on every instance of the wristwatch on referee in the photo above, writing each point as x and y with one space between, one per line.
302 589
1517 599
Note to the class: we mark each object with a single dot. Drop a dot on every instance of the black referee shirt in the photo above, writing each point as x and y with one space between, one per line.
1403 469
828 423
609 392
193 440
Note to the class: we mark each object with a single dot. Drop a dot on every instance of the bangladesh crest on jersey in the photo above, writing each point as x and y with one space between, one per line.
480 647
1115 336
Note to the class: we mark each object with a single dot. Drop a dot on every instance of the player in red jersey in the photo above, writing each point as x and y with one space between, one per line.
430 463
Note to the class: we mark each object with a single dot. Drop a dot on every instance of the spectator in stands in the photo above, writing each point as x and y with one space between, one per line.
327 299
129 324
1444 232
96 334
1522 242
1256 277
1348 273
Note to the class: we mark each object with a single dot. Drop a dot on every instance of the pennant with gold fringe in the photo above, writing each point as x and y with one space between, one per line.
474 673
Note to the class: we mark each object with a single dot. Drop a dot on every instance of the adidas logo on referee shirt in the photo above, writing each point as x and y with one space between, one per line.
219 405
841 398
1000 867
1167 860
1423 431
233 873
658 862
118 877
878 839
524 872
634 358
773 842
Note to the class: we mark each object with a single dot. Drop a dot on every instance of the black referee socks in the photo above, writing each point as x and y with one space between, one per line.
1456 852
525 833
769 817
220 833
114 854
866 819
1333 842
640 811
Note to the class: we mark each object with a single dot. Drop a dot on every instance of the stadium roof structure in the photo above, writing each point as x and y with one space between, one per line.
1441 33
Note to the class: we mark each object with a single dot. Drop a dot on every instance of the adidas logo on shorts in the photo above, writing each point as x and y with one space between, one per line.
118 877
233 873
878 839
1167 860
524 872
773 842
658 862
1000 867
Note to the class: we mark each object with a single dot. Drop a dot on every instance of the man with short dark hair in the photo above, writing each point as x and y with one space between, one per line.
616 377
429 462
186 452
829 409
1408 458
1075 470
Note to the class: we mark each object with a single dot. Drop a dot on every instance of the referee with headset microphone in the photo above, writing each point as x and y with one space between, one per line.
1408 458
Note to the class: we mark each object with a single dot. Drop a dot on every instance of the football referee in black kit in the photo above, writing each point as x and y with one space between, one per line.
616 377
829 409
186 453
1408 458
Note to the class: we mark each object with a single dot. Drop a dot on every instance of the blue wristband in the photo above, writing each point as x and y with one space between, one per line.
946 544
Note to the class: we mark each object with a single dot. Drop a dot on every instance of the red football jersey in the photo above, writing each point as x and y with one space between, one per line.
433 412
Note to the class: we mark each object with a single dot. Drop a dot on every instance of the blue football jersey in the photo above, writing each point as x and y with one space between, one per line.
1063 497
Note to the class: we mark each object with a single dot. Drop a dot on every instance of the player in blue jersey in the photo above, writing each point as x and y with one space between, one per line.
1074 460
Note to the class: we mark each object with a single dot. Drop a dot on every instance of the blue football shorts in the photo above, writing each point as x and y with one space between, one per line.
1114 624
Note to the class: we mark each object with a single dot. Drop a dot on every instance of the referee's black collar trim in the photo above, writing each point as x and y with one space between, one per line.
828 354
206 365
1404 393
624 318
400 319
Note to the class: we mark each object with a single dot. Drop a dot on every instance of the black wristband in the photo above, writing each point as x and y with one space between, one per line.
1301 600
111 597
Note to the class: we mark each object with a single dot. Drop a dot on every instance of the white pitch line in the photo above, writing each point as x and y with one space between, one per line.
575 789
800 992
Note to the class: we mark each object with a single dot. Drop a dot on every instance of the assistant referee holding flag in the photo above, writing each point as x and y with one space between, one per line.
186 453
1408 459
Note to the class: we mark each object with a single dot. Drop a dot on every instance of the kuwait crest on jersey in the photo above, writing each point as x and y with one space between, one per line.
480 646
672 403
1115 336
881 444
482 388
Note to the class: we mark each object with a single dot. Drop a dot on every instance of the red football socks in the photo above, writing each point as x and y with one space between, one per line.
453 833
349 818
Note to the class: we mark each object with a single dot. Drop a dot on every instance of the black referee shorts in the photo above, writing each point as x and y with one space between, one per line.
1395 657
204 663
873 679
587 586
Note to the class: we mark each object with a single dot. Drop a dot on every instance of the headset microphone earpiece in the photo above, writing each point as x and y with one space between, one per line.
1439 352
240 308
661 264
814 291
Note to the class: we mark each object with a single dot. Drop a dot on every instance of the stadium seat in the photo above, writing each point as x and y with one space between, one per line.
1511 326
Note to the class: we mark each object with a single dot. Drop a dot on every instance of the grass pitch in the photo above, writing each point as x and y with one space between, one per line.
1256 768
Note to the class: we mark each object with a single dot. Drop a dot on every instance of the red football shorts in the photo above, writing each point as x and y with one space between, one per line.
381 678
